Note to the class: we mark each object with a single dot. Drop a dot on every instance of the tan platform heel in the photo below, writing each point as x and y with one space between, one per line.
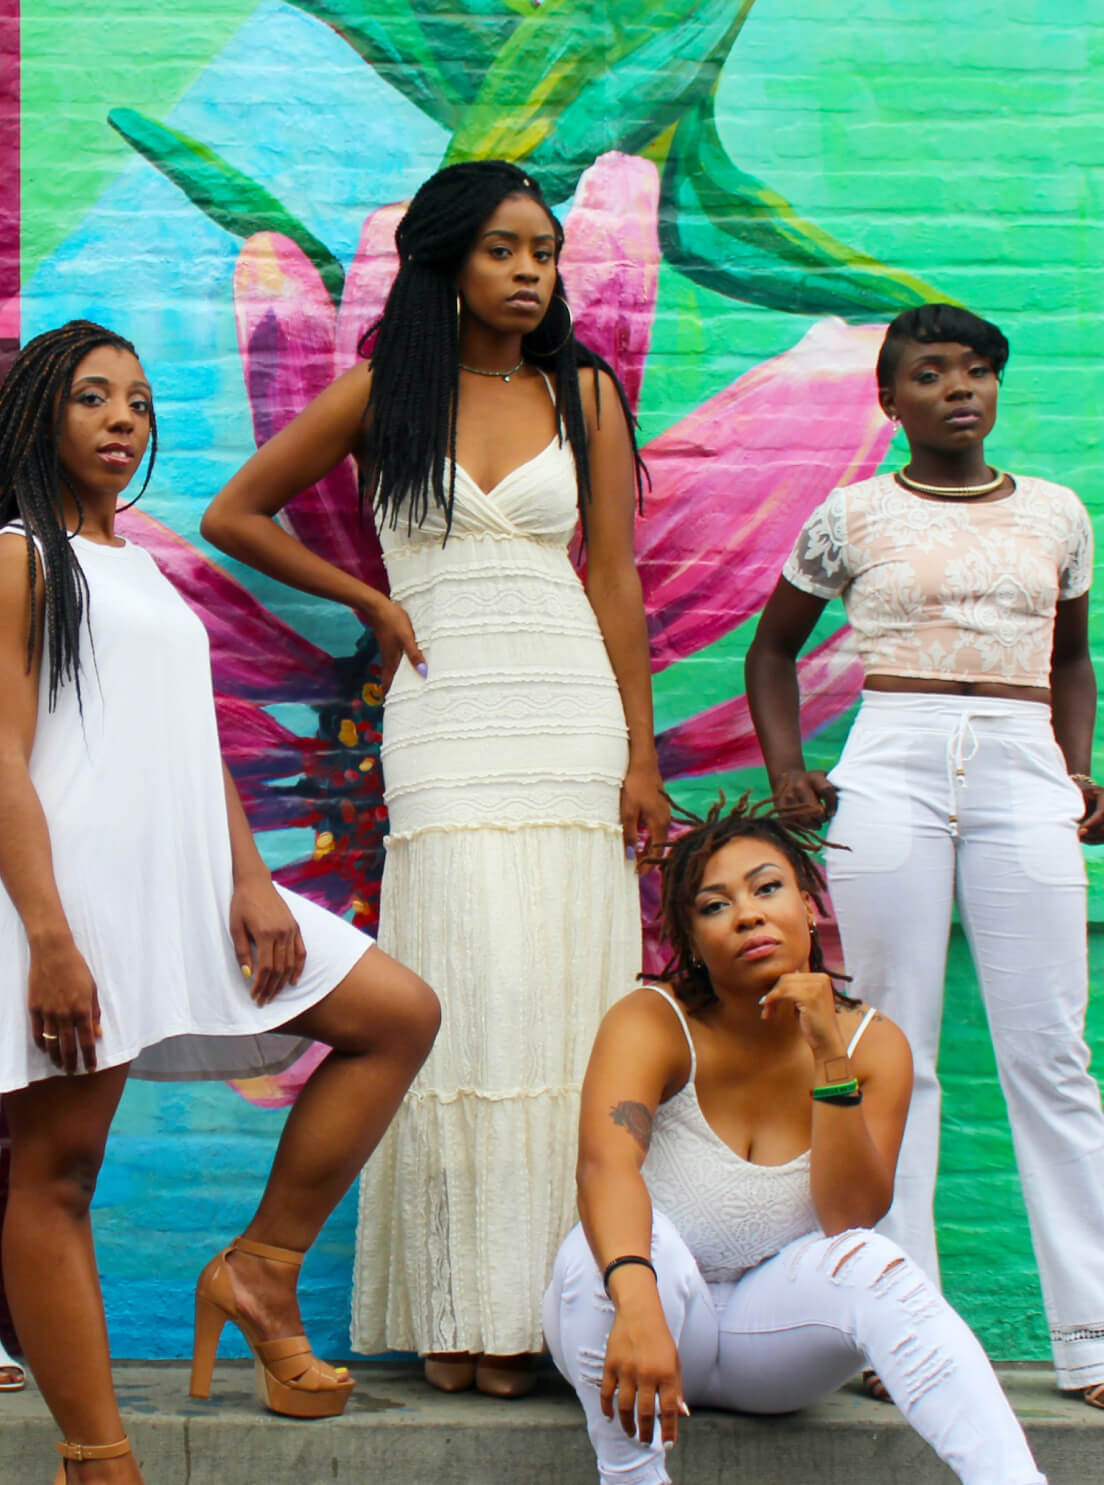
290 1379
80 1452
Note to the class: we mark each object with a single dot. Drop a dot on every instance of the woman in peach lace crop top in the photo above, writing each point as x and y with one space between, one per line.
942 590
965 778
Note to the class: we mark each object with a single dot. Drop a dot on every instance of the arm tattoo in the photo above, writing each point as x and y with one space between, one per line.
636 1119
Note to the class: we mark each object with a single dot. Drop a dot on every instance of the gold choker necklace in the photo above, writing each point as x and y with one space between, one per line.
505 375
953 491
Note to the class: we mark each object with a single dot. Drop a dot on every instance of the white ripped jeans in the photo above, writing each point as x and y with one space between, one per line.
959 797
790 1331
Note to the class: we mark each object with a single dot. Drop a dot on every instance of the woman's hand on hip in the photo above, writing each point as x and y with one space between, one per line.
64 1004
1091 829
645 810
642 1372
814 1004
395 636
266 938
808 793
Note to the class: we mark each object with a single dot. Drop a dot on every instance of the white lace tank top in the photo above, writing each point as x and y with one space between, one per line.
945 589
730 1213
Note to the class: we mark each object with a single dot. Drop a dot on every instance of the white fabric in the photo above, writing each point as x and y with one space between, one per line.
507 887
945 797
786 1334
732 1212
949 589
134 799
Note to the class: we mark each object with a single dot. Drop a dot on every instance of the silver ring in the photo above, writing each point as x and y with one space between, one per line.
49 1036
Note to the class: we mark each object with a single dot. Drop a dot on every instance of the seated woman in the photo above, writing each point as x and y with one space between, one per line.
740 1128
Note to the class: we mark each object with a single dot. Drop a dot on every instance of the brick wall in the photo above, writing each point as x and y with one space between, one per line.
958 152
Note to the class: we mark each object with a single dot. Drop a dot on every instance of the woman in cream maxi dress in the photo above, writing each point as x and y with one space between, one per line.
507 887
518 756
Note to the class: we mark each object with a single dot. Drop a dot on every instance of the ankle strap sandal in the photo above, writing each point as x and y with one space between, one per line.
78 1453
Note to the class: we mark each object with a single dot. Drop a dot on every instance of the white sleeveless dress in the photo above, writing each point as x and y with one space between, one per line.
506 886
136 808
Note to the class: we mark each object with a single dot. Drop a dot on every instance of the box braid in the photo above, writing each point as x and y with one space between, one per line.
682 862
414 347
33 398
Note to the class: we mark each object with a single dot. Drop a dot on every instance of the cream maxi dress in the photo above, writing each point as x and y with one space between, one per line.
507 887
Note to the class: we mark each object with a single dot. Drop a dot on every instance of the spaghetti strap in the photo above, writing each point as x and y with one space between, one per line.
673 1003
548 384
872 1011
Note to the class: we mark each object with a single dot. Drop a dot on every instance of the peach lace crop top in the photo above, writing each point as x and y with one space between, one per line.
944 589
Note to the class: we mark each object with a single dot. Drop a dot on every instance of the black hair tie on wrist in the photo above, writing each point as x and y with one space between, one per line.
620 1263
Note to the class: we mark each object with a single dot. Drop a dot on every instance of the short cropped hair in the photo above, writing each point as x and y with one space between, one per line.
928 323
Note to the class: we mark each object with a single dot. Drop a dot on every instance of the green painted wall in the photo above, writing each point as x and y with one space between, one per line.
959 150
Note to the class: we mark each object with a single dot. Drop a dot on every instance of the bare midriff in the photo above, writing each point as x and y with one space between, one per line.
931 687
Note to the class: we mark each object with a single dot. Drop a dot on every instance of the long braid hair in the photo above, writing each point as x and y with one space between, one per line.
682 862
414 347
33 398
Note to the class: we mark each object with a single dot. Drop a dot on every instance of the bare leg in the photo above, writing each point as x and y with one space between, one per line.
59 1129
380 1021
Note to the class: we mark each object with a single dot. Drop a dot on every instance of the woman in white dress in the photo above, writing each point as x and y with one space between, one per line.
139 928
518 753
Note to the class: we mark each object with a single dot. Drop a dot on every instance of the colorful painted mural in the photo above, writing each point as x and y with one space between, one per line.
749 192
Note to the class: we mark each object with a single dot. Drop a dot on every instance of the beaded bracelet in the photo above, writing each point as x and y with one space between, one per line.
620 1262
1083 780
832 1090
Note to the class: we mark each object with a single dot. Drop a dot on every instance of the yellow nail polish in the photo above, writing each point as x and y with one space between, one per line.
247 971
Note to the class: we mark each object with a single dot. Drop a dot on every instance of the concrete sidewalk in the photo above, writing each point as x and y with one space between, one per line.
398 1430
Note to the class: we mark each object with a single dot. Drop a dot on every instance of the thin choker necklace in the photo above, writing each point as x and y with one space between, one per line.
505 375
964 491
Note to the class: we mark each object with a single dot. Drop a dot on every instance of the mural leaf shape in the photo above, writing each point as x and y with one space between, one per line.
434 54
734 481
729 232
722 737
572 83
233 201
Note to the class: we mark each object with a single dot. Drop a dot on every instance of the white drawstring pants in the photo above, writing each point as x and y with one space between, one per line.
790 1331
945 797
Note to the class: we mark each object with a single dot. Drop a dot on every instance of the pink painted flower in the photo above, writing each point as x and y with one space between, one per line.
731 485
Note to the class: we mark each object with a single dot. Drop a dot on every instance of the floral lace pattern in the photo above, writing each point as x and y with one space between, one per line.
947 589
